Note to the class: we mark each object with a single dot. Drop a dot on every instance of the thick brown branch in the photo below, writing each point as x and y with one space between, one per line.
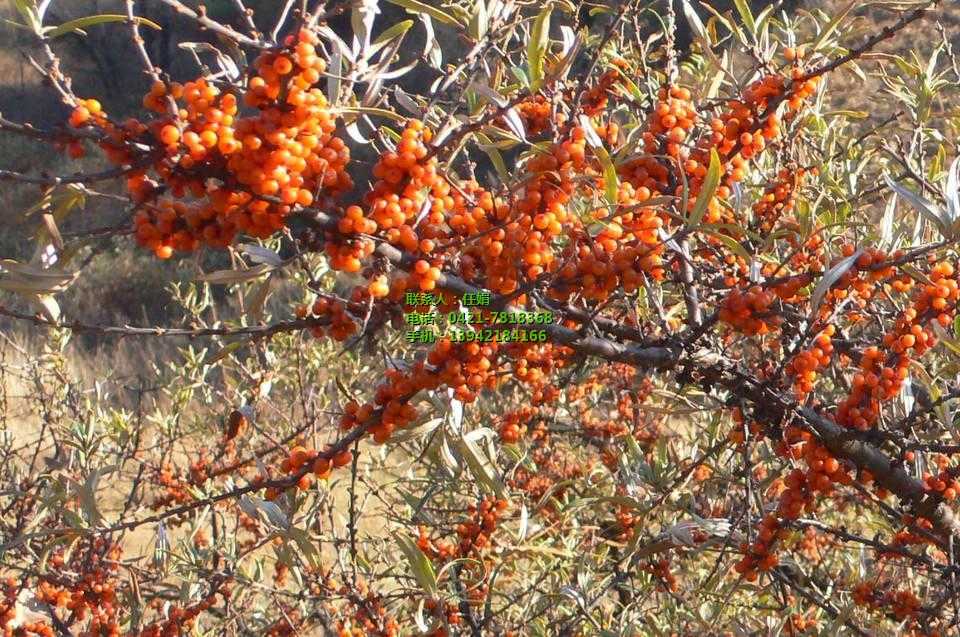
841 444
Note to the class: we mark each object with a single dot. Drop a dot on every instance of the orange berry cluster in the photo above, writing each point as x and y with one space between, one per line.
749 311
623 252
809 545
807 255
10 621
624 524
923 527
369 619
447 612
778 199
881 373
404 179
337 314
903 604
556 470
805 364
86 112
474 533
660 569
245 174
823 471
862 280
537 115
475 214
310 463
802 623
437 550
92 596
670 127
944 483
393 400
737 435
744 128
175 488
596 98
525 245
181 621
630 392
937 301
670 123
288 625
407 185
626 245
513 425
466 369
746 124
794 54
758 556
801 89
609 133
474 541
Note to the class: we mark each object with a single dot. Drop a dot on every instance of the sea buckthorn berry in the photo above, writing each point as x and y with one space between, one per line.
169 135
275 152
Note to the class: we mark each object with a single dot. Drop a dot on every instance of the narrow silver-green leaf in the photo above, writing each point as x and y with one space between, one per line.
731 244
28 9
415 6
477 28
830 277
227 277
746 15
419 564
480 466
396 30
831 27
953 191
707 192
611 184
78 25
537 48
924 207
696 24
886 224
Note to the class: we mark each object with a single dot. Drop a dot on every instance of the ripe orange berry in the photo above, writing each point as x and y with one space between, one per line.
169 135
79 117
282 65
379 288
321 467
208 139
304 197
343 458
299 456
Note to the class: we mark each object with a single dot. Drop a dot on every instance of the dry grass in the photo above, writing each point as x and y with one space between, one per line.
848 91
